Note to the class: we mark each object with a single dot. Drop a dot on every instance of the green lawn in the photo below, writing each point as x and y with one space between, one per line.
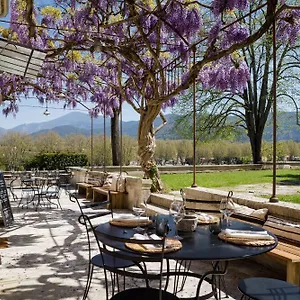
295 198
229 179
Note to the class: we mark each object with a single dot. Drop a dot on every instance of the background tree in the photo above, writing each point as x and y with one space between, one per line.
15 149
184 151
76 143
51 142
227 114
129 146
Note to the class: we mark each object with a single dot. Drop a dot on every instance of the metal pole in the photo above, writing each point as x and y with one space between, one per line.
194 123
104 146
274 198
121 138
92 142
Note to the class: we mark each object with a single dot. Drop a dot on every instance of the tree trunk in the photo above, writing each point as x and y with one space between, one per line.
256 143
115 138
146 145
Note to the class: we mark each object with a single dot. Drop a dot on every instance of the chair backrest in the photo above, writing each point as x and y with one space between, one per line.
109 247
83 220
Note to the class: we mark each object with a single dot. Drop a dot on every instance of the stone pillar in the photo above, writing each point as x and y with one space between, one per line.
79 176
138 190
134 191
146 190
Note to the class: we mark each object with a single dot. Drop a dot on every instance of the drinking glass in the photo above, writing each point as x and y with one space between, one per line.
177 212
139 209
227 208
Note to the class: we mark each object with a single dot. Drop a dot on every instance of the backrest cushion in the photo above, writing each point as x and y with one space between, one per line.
284 230
250 215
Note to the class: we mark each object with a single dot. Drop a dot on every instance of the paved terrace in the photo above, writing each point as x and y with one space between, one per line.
47 259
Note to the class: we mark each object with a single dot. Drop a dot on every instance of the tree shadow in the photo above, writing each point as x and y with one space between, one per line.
293 179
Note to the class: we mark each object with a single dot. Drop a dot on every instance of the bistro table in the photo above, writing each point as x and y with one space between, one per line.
199 245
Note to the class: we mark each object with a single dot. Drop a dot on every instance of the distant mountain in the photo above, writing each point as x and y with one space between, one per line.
76 119
2 131
64 130
80 123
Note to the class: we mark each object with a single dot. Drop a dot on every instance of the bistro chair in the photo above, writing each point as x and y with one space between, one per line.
64 180
52 193
96 259
261 288
144 293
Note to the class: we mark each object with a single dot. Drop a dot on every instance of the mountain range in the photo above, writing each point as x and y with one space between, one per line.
80 123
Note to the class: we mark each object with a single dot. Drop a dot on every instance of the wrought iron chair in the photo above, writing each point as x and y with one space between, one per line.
52 193
98 260
144 293
64 181
260 288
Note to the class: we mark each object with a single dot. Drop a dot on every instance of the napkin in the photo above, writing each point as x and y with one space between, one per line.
138 236
206 217
130 218
247 234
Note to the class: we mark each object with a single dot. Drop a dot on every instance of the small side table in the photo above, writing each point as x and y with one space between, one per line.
260 288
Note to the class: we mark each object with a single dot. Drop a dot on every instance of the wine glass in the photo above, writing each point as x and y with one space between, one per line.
227 208
176 210
139 209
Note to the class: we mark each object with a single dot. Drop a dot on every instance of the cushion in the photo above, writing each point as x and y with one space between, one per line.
257 216
260 213
284 230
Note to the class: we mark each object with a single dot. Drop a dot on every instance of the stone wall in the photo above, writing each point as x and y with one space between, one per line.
288 211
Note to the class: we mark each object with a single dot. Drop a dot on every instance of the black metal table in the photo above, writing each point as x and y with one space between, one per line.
199 245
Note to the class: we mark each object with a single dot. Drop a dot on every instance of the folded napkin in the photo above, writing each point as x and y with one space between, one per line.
130 218
247 234
206 217
141 237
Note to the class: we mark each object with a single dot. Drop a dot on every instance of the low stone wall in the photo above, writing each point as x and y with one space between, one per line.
283 210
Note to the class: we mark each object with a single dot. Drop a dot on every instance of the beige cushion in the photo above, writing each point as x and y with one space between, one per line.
260 213
248 211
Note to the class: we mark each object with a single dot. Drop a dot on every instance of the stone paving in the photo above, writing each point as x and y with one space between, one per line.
47 259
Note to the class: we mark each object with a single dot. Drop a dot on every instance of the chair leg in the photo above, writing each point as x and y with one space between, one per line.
88 282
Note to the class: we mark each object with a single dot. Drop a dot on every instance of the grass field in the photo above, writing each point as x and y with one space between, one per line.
288 198
230 178
234 178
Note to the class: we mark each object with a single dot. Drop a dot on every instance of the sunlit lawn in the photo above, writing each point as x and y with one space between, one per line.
229 179
295 198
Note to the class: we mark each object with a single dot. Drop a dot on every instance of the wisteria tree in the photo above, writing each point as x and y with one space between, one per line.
146 53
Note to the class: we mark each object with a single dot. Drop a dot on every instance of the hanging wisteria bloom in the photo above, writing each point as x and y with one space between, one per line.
223 75
288 27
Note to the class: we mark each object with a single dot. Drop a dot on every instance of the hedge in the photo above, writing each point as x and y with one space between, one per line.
53 161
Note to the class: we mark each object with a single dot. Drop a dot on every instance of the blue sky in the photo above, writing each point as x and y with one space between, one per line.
31 111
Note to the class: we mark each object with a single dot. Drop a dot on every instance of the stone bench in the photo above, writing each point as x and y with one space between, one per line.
85 189
289 256
117 199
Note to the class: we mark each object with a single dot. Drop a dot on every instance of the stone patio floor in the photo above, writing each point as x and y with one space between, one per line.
47 259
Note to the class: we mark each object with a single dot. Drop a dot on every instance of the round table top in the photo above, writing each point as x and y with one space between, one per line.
198 245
